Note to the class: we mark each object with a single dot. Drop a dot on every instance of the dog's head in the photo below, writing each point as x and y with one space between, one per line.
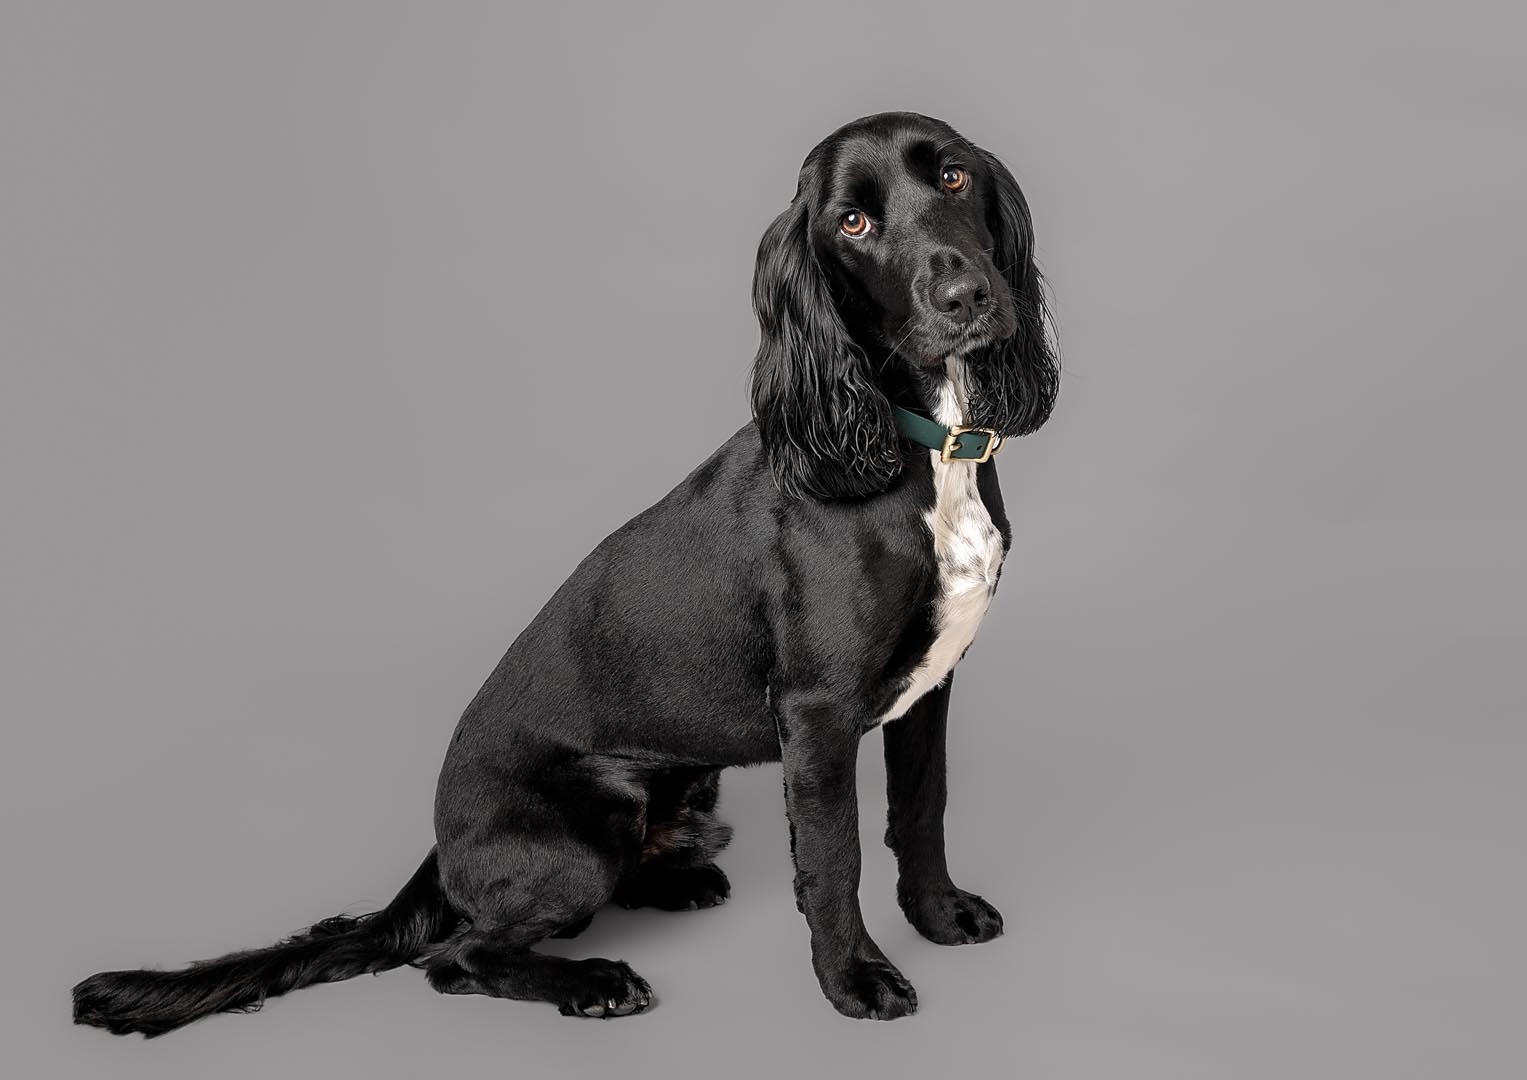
904 245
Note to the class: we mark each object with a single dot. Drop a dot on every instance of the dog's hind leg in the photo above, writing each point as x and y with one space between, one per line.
528 900
540 890
493 963
538 865
677 868
658 884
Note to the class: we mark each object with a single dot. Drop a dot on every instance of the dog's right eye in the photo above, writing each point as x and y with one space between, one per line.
854 224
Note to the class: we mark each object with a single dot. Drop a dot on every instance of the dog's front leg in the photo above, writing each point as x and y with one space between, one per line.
819 746
918 789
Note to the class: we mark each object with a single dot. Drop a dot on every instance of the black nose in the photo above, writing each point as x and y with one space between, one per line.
960 296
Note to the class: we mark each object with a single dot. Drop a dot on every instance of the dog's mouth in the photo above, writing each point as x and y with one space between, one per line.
991 326
935 343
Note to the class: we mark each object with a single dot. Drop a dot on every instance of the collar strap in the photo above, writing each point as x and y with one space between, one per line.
976 444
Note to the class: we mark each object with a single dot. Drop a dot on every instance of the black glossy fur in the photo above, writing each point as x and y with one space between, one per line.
768 608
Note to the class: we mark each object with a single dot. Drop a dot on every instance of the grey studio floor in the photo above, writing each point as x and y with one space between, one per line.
300 301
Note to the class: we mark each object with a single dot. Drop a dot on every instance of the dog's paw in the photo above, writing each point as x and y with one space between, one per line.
604 988
952 917
870 989
675 888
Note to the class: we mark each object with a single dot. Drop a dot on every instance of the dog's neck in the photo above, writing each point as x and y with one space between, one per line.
942 392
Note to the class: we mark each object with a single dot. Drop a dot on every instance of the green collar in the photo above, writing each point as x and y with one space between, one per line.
976 444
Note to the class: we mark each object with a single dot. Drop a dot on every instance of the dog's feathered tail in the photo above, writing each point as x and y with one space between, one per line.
154 1002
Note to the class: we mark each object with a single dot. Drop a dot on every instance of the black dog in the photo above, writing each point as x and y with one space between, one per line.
818 576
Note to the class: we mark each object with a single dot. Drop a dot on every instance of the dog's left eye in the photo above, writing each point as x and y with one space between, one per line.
954 178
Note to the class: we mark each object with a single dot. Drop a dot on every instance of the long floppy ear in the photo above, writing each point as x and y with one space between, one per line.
1014 389
825 425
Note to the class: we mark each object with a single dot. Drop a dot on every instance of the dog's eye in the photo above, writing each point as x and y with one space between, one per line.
954 178
854 224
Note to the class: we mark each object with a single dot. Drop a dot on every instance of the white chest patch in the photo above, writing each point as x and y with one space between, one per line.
967 551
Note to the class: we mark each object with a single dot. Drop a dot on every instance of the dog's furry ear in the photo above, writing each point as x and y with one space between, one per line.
826 427
1014 390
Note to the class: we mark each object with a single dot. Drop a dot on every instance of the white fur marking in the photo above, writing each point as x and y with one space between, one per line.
967 549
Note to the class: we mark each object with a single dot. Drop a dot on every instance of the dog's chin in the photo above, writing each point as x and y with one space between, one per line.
928 358
934 348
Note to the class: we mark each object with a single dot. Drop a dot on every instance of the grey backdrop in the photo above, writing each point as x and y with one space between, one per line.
293 294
